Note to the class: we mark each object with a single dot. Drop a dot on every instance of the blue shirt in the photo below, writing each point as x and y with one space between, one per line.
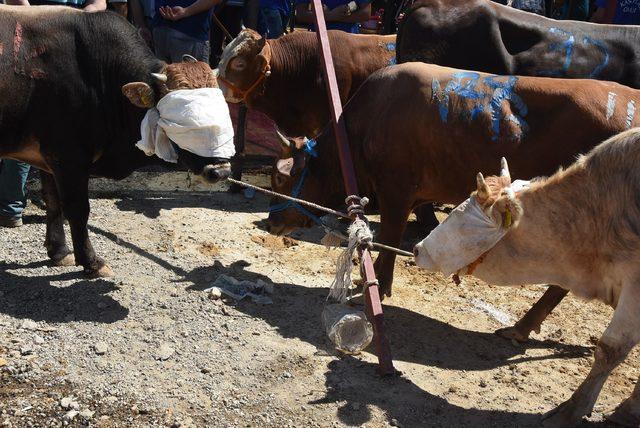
281 5
627 11
344 26
196 26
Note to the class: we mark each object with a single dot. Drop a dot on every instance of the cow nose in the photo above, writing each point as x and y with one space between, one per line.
215 173
415 251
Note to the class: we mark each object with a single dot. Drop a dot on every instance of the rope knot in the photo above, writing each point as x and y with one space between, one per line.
356 204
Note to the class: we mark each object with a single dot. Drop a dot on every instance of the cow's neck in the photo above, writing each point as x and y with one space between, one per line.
548 243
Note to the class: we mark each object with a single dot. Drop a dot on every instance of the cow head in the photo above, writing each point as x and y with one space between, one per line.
243 66
291 176
188 74
474 227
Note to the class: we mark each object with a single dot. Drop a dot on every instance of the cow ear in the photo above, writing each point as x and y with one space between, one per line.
264 58
482 191
140 94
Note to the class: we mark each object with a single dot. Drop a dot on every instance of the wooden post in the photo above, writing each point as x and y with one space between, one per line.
372 293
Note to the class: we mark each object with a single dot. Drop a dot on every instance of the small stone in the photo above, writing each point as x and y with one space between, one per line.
287 375
395 423
483 384
453 389
26 350
29 325
205 370
38 340
3 362
70 415
69 403
215 293
100 348
87 414
164 352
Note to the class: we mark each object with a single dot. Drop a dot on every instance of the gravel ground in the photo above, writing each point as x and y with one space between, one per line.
149 347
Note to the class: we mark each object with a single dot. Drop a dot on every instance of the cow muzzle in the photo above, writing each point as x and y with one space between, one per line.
217 172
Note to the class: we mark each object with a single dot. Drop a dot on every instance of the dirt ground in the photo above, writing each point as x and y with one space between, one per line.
150 348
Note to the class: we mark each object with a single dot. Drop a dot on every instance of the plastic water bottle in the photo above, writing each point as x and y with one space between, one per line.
348 328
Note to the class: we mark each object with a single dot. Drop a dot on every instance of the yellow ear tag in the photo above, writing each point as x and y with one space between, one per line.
506 219
145 98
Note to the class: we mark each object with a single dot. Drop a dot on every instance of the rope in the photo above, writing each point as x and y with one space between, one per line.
363 201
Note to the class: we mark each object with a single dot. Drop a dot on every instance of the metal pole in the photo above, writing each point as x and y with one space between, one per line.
372 294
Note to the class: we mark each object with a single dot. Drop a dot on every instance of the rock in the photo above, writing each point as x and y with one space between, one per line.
287 375
29 325
69 403
483 384
26 350
3 362
38 340
70 415
100 348
87 414
215 293
164 352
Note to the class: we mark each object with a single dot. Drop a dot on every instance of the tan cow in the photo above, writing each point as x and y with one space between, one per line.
580 229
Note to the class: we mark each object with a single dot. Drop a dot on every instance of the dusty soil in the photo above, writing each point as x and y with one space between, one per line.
150 348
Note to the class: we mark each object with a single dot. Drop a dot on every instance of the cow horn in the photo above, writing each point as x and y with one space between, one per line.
188 58
160 77
283 140
504 169
483 188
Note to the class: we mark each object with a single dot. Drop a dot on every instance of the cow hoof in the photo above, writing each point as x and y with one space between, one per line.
565 415
68 260
624 417
512 333
103 272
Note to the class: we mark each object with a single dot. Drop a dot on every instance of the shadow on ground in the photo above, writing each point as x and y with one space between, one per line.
149 204
35 298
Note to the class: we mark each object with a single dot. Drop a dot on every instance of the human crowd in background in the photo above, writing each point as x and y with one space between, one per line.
173 28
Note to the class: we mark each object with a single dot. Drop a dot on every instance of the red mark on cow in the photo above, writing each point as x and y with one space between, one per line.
17 40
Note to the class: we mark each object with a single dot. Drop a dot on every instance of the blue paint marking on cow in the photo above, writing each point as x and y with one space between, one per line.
567 45
391 47
503 91
464 85
596 71
393 61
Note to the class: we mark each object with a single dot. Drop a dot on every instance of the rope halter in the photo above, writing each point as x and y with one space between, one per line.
244 94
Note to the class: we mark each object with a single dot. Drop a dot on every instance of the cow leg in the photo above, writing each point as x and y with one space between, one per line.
426 217
55 241
532 320
628 413
622 334
393 220
73 188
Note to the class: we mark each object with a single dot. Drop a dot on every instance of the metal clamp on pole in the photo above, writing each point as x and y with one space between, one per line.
372 292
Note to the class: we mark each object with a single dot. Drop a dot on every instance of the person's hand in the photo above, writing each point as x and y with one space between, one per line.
174 13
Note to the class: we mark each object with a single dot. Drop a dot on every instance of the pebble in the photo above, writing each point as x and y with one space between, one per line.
287 375
164 352
87 414
29 325
215 293
26 350
100 348
69 403
38 340
3 362
483 384
70 415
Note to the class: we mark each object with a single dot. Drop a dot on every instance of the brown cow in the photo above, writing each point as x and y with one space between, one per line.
282 78
417 130
580 229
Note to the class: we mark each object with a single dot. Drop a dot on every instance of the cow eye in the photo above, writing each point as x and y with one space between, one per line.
238 64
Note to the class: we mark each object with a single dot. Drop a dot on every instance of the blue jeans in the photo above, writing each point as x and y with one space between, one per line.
13 194
271 22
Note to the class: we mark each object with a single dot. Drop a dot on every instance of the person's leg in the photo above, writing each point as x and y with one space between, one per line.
13 195
179 44
273 22
160 43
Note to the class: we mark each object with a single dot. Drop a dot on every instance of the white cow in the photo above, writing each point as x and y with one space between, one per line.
580 229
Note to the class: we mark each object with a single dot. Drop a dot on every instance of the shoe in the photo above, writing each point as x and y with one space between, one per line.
6 221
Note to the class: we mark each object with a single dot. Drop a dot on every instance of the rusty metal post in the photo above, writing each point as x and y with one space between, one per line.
372 293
